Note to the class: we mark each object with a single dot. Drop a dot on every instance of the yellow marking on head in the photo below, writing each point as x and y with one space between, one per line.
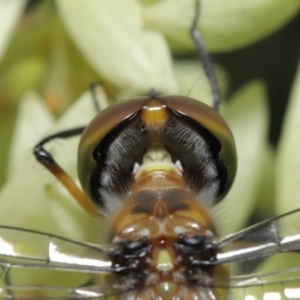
154 114
164 261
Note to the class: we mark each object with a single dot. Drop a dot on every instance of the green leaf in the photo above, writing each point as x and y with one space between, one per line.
247 116
288 159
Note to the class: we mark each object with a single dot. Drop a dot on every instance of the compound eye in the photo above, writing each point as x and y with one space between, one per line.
89 154
217 138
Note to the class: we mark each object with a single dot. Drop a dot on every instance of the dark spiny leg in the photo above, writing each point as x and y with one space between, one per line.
204 57
93 87
47 160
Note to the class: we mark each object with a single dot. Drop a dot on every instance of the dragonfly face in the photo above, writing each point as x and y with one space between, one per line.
133 138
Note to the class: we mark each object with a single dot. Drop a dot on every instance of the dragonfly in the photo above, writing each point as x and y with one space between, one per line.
157 163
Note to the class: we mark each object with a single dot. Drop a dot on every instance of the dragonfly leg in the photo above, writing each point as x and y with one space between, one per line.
93 88
205 59
47 160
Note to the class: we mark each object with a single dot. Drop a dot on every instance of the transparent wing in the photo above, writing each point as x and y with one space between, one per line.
58 292
276 235
271 246
39 265
265 257
277 285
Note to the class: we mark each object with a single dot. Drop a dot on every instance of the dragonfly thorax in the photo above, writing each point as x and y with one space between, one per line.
165 227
